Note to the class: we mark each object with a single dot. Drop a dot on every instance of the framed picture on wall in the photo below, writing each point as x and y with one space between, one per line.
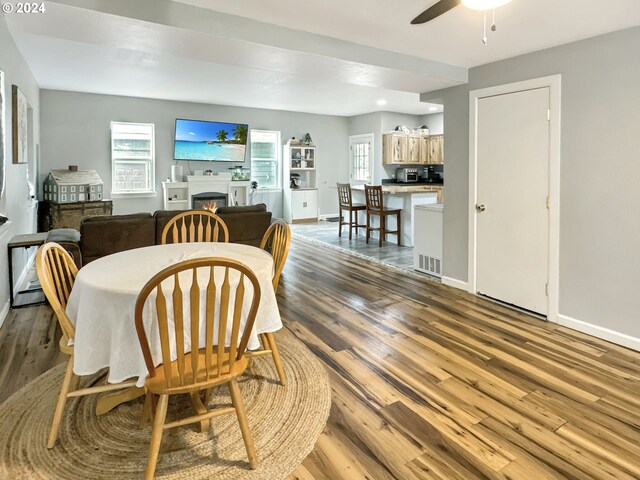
20 134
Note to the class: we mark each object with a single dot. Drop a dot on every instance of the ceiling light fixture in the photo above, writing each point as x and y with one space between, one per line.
486 5
433 109
381 102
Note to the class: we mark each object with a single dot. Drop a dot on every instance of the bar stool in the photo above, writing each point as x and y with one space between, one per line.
345 203
373 195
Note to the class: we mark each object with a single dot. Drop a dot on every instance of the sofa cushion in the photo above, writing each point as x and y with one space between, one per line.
104 235
261 207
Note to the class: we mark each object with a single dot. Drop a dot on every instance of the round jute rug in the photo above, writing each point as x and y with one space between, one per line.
285 423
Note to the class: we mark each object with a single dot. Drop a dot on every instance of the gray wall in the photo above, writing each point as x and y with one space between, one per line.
75 130
16 202
600 172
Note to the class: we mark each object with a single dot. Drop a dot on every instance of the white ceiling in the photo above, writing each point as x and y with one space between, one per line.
324 57
455 37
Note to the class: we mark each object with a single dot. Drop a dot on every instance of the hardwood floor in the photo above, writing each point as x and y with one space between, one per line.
428 382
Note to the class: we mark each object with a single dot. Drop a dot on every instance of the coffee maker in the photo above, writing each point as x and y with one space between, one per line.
294 181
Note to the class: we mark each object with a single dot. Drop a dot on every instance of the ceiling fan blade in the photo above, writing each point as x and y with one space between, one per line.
443 6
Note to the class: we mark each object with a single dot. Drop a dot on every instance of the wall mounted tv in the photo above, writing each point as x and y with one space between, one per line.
210 141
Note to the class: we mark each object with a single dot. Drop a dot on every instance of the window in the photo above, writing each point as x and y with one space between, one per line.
132 158
360 158
265 158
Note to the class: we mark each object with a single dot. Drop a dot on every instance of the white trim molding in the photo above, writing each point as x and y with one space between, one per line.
600 332
554 84
4 312
455 283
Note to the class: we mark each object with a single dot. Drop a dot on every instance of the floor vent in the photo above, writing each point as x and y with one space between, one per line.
430 265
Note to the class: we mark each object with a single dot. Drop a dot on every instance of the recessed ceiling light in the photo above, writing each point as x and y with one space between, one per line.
433 109
381 102
484 4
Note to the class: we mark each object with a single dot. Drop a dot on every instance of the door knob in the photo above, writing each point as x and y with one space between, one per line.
480 207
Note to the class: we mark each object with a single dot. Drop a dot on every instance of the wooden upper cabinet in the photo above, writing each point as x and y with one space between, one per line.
436 144
413 148
400 148
394 148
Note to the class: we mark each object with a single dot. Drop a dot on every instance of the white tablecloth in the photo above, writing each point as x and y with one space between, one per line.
102 303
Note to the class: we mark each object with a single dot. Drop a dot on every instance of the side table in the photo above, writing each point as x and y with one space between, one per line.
26 241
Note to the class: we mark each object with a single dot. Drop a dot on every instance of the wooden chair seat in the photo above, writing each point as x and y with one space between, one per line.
375 206
158 384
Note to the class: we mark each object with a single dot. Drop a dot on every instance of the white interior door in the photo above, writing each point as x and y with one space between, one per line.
512 217
361 159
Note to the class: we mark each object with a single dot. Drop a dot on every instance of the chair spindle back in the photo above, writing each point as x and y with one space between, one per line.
373 195
276 241
195 226
57 273
194 367
344 195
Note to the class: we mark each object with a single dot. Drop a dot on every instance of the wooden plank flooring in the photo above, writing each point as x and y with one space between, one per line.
428 382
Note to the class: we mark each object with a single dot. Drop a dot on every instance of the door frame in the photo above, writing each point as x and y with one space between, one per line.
554 84
368 138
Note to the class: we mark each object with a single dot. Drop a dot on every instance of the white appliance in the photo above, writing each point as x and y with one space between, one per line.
427 241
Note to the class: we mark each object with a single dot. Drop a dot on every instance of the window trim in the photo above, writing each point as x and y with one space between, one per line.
152 192
356 139
278 150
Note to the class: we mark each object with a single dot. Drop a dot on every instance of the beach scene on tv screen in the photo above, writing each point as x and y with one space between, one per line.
212 141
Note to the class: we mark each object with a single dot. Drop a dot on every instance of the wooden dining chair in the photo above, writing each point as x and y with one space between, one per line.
276 241
195 226
204 368
345 204
375 207
57 272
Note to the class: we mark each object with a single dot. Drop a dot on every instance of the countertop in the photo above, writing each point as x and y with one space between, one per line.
395 189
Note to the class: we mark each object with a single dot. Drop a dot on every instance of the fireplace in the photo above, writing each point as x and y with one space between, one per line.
209 201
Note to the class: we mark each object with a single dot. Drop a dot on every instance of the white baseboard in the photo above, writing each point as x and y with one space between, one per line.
600 332
455 283
4 312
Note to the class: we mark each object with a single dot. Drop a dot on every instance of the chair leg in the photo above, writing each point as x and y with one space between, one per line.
357 221
368 228
383 229
147 415
271 338
62 401
236 399
340 223
350 223
399 228
156 437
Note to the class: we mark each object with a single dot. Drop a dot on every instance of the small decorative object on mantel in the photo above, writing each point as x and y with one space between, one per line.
307 139
73 168
20 141
293 141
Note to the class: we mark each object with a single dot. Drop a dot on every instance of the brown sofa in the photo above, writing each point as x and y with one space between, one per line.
104 235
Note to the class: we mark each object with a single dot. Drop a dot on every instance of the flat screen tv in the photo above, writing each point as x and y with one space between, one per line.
210 141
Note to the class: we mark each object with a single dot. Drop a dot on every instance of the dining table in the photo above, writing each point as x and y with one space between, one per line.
103 298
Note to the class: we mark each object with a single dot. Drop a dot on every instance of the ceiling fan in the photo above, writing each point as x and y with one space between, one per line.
443 6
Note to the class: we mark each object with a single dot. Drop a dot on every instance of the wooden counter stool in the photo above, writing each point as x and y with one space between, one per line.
346 204
373 195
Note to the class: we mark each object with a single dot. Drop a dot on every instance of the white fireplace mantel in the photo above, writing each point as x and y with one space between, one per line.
178 195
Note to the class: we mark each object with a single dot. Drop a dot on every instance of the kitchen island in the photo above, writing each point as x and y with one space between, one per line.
404 197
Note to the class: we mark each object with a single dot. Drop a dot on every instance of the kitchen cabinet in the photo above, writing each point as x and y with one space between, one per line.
304 205
436 147
394 148
299 204
412 149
